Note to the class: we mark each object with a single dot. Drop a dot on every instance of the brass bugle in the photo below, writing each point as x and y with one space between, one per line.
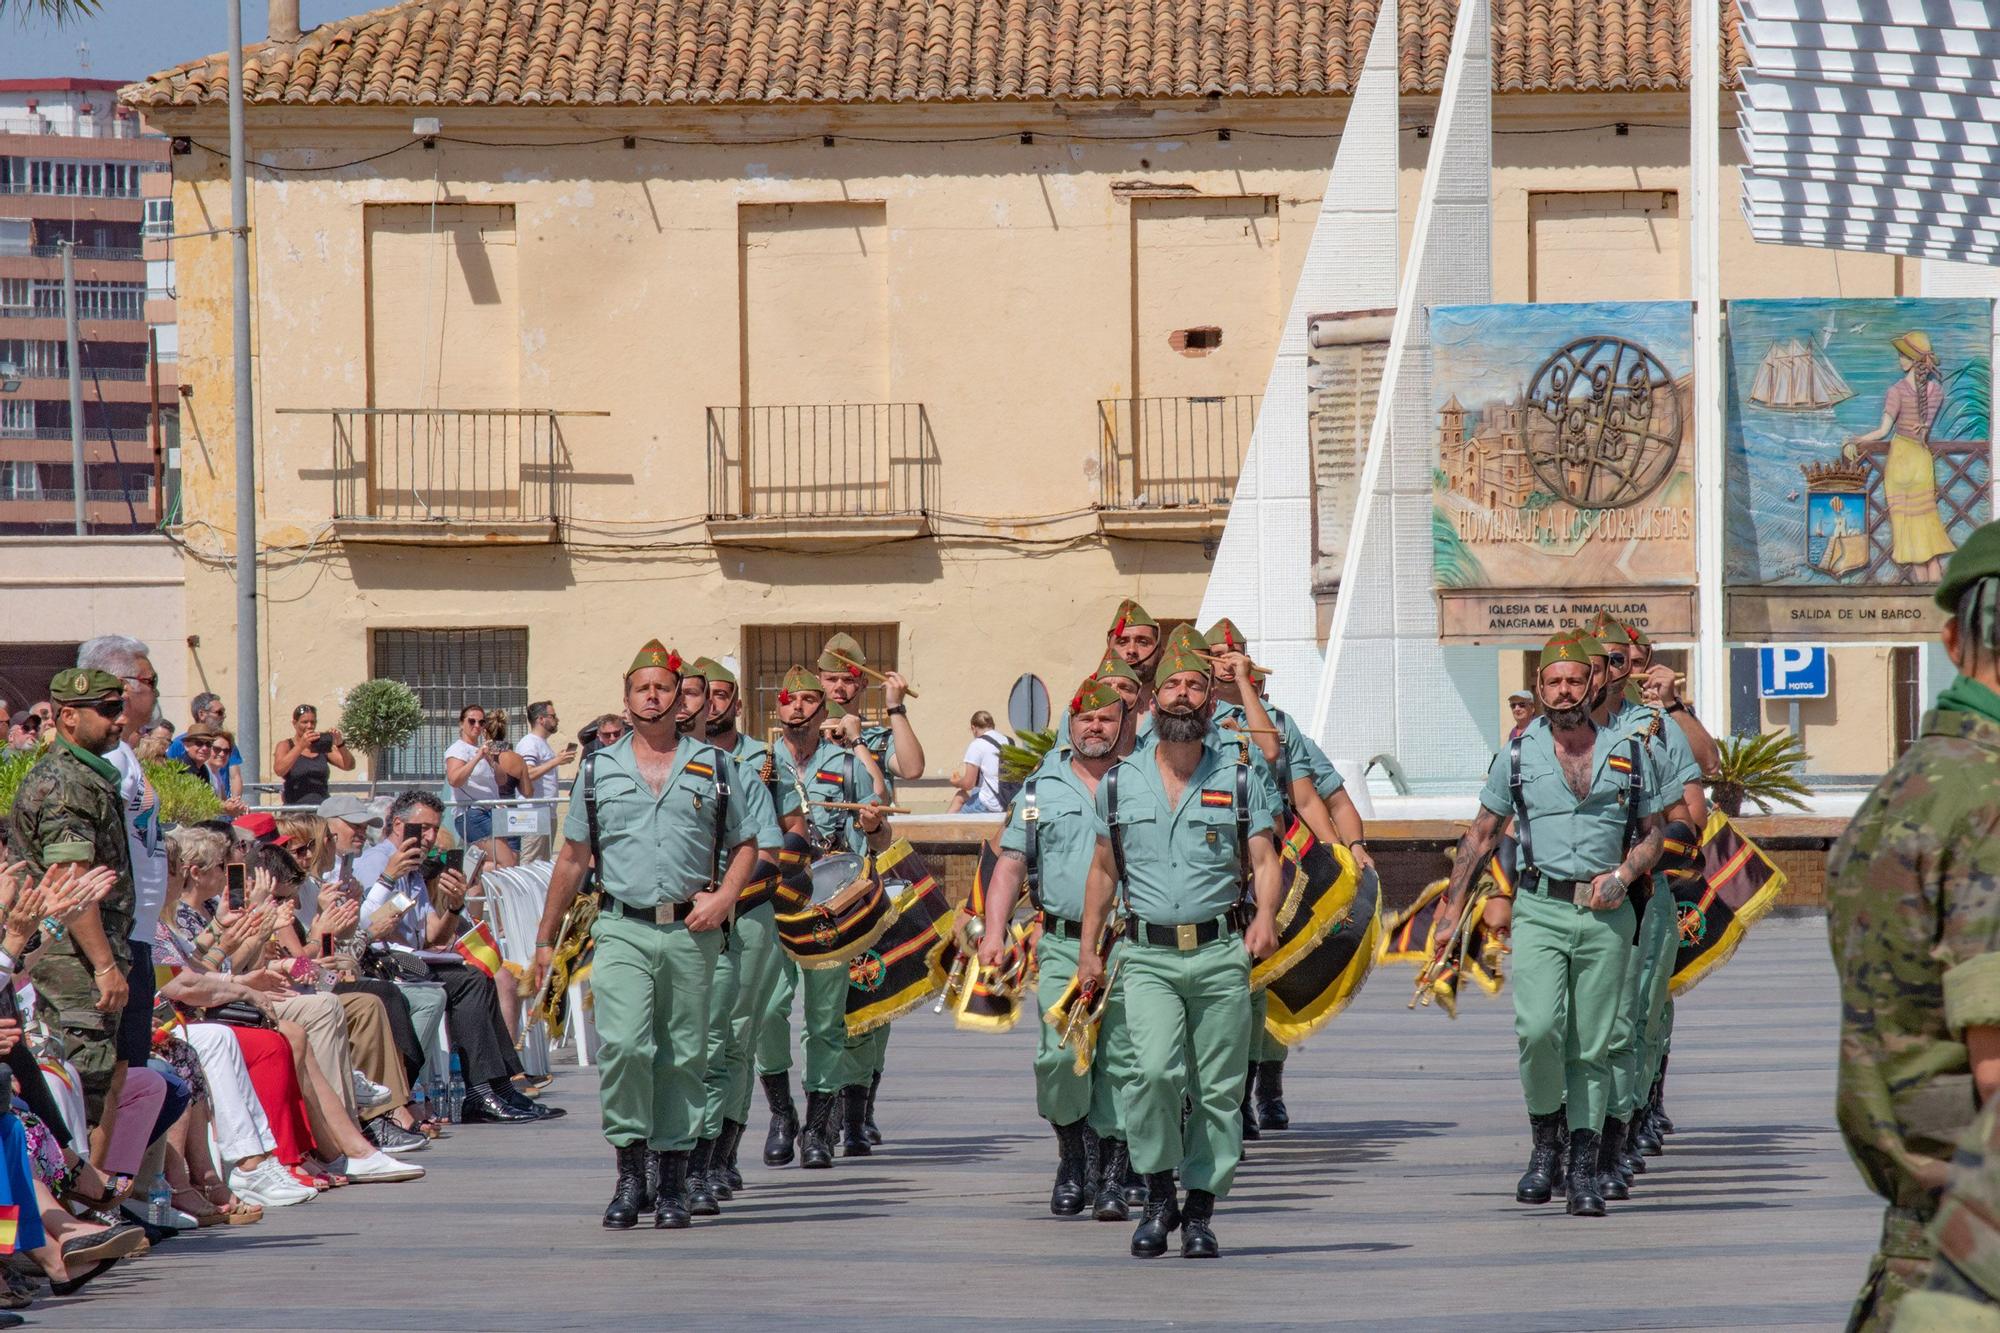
862 805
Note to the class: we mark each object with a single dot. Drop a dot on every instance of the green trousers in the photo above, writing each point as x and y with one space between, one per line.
743 977
1264 1048
1186 1019
1660 1039
774 1034
1569 990
1642 1021
1062 1095
652 984
865 1056
825 1037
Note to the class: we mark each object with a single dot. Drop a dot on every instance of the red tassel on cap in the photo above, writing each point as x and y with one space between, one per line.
784 697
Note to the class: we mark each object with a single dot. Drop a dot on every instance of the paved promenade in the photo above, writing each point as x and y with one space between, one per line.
1389 1207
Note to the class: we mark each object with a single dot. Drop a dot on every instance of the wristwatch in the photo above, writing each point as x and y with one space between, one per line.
897 710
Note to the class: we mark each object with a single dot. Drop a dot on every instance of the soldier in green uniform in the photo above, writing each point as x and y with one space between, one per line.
674 846
1182 825
822 757
1048 843
67 810
1913 914
898 755
1134 639
747 968
1588 817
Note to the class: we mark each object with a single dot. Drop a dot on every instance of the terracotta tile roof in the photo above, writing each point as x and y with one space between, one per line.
661 52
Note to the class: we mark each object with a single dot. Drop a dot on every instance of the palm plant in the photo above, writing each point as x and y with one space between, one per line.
1022 757
57 12
1763 769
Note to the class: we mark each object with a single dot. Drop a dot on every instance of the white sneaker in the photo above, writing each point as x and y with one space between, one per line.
376 1168
268 1184
367 1092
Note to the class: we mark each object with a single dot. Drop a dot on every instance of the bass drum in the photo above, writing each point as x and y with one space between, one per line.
847 912
1329 922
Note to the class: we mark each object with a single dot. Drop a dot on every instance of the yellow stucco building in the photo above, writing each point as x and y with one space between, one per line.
577 324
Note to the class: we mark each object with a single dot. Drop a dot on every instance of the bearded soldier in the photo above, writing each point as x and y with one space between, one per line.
1182 825
1048 843
1134 639
1913 914
1588 816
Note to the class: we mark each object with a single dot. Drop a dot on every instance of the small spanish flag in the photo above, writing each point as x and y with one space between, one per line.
10 1222
479 949
1618 763
1218 798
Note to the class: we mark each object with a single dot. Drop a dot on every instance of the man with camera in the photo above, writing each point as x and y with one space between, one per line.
542 760
416 900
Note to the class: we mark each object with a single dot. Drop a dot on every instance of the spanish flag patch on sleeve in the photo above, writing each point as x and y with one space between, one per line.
1218 798
700 770
1619 763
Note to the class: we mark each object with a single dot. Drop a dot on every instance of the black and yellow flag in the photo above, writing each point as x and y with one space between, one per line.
1728 886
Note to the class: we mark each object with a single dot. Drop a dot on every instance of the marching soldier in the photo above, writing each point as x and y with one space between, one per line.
1588 816
898 755
68 810
658 814
1182 826
822 756
1913 914
1134 639
747 968
1048 843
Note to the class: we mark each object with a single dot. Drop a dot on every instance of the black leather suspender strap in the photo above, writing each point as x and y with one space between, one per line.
721 803
1031 818
1117 834
589 780
1524 870
1635 787
1243 824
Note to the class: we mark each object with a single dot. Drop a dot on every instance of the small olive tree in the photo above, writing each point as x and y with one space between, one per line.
378 716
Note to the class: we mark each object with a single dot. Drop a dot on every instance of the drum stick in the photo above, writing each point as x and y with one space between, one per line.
858 805
836 654
1233 725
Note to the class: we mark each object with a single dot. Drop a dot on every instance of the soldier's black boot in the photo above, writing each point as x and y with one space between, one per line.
854 1103
1197 1237
1163 1217
1271 1112
1632 1161
1136 1192
1661 1121
701 1201
670 1210
1093 1163
628 1197
652 1194
1066 1198
816 1138
1562 1146
1538 1182
724 1176
1250 1130
1112 1166
1611 1182
784 1119
1584 1199
868 1120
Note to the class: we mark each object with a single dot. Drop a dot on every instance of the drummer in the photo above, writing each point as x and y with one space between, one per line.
1052 854
747 969
899 756
822 754
1134 638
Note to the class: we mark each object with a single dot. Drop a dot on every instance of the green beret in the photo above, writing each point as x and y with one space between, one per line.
1978 559
75 685
1609 628
1637 637
798 680
1591 644
1094 694
655 654
845 645
1224 637
1114 665
1567 646
712 671
1184 651
1131 614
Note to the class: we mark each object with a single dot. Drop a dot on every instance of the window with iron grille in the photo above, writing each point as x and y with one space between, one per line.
1906 698
450 668
770 650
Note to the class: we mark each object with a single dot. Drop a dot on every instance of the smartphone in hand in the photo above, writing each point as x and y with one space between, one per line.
238 891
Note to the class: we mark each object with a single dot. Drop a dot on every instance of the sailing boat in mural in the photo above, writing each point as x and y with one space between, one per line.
1796 378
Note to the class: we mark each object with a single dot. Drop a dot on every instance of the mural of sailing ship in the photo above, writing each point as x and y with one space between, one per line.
1794 377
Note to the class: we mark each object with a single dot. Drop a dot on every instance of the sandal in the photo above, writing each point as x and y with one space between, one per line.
206 1215
240 1214
311 1179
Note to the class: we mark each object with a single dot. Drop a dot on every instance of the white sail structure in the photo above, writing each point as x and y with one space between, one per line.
1794 377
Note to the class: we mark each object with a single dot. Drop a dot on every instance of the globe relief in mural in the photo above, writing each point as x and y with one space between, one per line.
1617 423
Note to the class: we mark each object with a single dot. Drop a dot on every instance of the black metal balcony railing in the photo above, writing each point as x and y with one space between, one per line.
820 460
449 465
1170 453
62 432
90 252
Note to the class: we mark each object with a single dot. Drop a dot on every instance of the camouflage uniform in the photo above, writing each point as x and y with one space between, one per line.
1913 913
68 809
1962 1294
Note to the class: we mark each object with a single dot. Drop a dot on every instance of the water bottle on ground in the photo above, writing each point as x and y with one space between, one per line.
440 1102
455 1092
420 1100
160 1202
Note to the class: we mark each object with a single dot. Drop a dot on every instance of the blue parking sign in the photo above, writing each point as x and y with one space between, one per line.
1791 673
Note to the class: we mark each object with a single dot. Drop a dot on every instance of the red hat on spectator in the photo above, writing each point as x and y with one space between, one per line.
262 827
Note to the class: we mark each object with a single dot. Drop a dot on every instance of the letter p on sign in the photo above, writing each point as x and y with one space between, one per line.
1791 673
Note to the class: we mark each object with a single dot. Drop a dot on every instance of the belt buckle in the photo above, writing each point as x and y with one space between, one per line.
1187 938
663 915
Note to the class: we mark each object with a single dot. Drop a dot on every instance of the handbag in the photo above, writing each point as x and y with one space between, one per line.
238 1014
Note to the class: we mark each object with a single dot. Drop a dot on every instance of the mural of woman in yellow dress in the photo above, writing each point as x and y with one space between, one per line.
1918 539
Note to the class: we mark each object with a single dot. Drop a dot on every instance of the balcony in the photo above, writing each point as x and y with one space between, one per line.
456 476
818 474
1168 466
89 252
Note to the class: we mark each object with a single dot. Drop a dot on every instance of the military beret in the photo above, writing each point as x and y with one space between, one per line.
1978 559
75 685
1094 694
1185 650
846 646
1131 614
798 680
1637 637
712 671
1590 643
1224 637
655 654
1114 665
1567 646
